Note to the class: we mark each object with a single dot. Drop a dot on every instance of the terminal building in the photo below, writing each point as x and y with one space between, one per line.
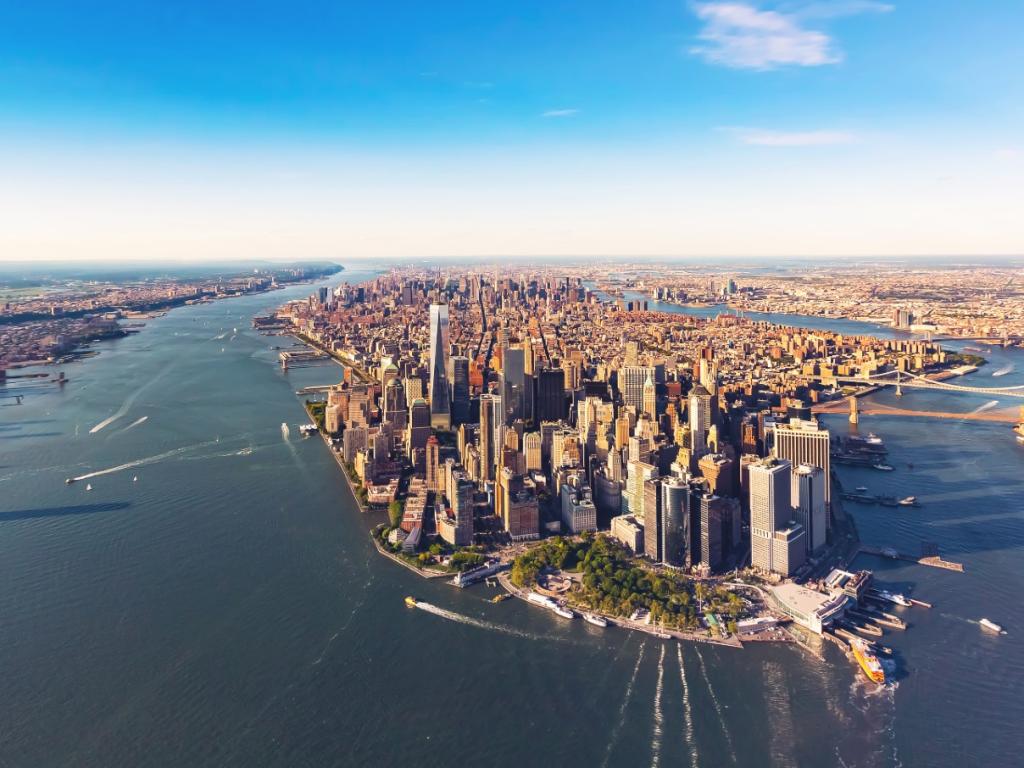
808 608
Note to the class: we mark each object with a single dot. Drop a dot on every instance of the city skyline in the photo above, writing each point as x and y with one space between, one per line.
671 130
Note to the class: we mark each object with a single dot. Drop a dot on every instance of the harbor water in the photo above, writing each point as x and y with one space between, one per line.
214 599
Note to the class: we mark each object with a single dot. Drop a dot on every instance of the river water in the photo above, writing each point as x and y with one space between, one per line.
215 600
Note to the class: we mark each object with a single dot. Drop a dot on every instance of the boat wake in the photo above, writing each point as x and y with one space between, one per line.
481 624
622 707
136 423
658 715
717 705
145 461
1004 370
687 712
128 402
986 407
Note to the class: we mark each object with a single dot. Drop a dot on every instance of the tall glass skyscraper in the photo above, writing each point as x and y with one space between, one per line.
440 404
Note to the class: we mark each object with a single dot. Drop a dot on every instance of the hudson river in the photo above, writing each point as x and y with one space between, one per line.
214 600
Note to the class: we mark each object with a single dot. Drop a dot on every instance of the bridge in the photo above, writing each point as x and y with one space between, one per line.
901 379
879 409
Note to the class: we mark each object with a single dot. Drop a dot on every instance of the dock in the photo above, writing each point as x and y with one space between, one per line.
931 560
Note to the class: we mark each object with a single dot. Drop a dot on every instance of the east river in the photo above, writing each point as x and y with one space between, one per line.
214 600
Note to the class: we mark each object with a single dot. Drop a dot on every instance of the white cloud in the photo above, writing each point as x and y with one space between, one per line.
760 137
560 113
742 36
1010 153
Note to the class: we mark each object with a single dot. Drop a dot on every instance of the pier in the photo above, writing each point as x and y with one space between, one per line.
932 560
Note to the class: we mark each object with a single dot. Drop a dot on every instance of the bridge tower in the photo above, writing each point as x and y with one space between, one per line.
854 411
899 387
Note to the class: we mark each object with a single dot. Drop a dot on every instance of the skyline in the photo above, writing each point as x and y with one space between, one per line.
675 130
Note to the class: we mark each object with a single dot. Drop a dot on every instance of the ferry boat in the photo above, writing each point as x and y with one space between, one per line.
541 600
890 597
882 467
564 612
869 663
991 626
910 501
410 602
597 621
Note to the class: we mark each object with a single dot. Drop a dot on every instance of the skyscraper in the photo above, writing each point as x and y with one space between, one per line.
769 481
487 406
550 395
513 384
433 465
650 398
440 404
804 442
808 497
700 418
631 384
674 534
458 367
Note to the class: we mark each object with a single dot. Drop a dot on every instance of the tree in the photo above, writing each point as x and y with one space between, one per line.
395 511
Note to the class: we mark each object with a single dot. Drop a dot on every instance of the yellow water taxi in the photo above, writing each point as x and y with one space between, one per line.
410 602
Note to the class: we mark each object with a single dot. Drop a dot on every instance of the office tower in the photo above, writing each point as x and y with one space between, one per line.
578 511
513 382
632 379
769 481
674 523
532 449
623 426
487 408
650 511
650 405
461 495
638 473
413 389
632 356
804 442
433 458
718 470
630 531
458 377
333 419
516 500
419 425
700 418
440 405
716 518
528 356
550 395
789 549
808 498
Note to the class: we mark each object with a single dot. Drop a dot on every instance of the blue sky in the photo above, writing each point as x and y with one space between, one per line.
342 129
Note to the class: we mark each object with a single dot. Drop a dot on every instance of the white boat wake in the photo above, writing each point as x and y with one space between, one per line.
718 706
658 715
145 461
625 703
986 407
1004 370
480 623
687 712
136 423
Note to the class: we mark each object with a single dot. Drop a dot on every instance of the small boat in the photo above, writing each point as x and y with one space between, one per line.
135 478
890 597
597 621
501 598
69 481
307 429
564 612
663 635
991 626
410 602
910 501
88 486
882 467
862 488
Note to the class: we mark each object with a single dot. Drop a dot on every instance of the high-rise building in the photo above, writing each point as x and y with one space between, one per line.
674 534
532 449
808 498
805 442
433 455
513 384
550 395
440 404
769 481
419 425
650 512
578 511
487 408
632 379
458 377
516 503
650 398
700 418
